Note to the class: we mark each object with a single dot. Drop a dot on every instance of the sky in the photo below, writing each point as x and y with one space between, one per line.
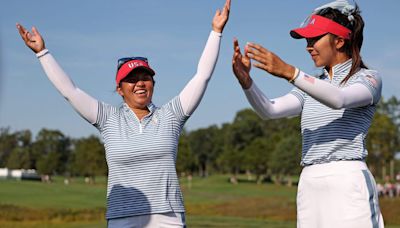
87 38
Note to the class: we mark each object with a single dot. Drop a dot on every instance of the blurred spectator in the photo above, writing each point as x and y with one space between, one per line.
380 189
397 184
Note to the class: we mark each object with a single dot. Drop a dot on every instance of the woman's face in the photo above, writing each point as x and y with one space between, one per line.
324 50
137 89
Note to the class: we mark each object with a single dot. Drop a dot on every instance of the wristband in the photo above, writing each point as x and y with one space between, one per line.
42 53
295 75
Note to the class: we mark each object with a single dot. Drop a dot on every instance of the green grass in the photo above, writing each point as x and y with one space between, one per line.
210 202
76 195
27 224
237 222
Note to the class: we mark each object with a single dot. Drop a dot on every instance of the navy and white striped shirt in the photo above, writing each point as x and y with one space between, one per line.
141 157
333 135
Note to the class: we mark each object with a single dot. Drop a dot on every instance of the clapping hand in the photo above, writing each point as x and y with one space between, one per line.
241 65
269 61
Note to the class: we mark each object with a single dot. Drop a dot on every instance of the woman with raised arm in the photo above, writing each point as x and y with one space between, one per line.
140 138
336 189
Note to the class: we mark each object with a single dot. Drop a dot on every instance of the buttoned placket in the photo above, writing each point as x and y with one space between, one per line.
141 123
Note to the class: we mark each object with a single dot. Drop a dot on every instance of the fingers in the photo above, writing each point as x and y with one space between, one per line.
236 47
23 32
256 48
260 66
217 12
259 57
236 52
228 4
35 31
20 28
257 52
227 7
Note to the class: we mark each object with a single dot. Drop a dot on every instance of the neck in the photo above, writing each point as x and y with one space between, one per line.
140 112
340 58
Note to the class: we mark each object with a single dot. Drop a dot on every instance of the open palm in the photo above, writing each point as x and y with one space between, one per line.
33 40
221 17
241 65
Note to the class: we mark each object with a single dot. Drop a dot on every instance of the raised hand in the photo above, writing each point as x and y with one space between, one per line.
268 61
221 17
241 65
33 40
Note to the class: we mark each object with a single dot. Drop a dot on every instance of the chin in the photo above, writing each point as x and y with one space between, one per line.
318 64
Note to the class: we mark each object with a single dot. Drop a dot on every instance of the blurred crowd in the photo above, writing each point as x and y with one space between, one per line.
388 188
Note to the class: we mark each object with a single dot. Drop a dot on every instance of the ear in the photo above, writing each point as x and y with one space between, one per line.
339 42
119 91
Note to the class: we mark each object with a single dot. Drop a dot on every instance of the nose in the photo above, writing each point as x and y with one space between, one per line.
140 82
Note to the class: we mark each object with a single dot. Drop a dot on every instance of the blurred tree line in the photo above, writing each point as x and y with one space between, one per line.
262 149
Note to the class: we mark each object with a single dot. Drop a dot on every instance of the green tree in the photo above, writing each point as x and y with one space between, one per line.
51 152
381 143
285 159
20 156
204 143
257 154
186 161
8 141
89 158
246 127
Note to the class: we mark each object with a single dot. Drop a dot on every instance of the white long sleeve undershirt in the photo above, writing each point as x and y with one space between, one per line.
83 103
284 106
191 95
87 106
355 95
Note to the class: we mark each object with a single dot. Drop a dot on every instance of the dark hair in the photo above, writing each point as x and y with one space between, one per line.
351 47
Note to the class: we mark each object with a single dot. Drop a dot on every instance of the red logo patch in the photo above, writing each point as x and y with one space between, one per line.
309 79
372 80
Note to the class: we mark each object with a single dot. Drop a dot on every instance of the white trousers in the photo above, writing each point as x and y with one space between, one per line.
165 220
338 195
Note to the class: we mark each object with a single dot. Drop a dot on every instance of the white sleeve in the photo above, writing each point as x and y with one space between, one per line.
84 104
191 95
354 95
285 106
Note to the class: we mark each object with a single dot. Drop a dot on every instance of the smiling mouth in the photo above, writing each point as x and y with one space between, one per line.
140 91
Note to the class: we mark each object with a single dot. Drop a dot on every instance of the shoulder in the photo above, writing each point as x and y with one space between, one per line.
368 72
372 76
372 80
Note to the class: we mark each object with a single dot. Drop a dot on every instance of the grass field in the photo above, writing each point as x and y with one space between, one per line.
210 202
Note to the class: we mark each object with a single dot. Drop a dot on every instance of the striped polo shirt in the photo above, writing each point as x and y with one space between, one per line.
141 157
334 135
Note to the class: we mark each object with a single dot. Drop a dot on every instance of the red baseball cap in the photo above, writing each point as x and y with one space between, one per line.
131 65
317 26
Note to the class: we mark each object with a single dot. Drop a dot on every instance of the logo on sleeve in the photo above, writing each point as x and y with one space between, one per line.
309 79
372 80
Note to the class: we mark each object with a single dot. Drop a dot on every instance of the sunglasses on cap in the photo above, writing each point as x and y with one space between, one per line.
123 60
